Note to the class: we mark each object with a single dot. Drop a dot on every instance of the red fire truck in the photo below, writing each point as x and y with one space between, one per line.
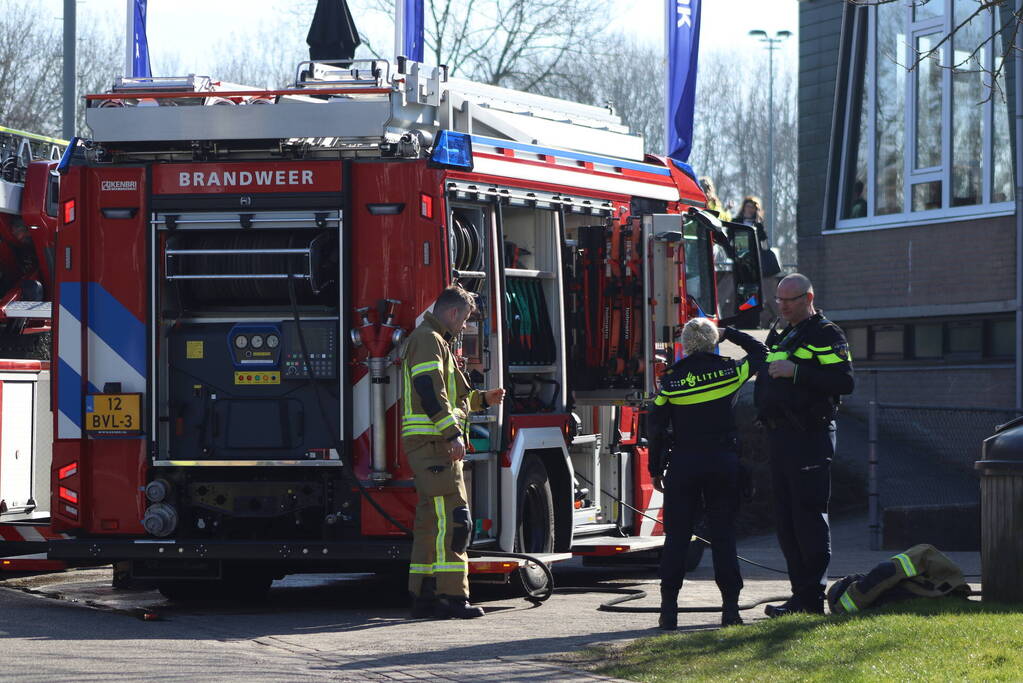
28 222
236 270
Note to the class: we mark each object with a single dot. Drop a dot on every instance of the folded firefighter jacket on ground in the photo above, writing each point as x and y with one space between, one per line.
923 571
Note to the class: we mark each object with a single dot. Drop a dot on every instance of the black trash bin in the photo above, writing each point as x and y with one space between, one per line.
1001 513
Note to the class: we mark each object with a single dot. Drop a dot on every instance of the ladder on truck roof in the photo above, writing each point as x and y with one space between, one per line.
357 107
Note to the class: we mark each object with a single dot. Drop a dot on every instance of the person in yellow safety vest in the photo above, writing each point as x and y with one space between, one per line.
434 430
713 203
923 571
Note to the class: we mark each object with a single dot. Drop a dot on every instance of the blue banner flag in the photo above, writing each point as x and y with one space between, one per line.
682 43
140 46
412 45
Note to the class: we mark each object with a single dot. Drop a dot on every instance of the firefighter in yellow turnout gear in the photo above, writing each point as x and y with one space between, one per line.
434 429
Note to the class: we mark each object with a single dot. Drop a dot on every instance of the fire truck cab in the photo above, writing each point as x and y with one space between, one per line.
236 271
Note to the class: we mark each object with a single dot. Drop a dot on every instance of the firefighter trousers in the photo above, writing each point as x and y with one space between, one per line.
707 483
443 525
801 477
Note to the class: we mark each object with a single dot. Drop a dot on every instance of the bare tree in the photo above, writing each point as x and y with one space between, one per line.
515 43
730 136
730 122
30 68
1005 39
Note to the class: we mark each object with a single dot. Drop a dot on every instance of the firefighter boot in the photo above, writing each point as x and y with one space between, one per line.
668 620
424 605
456 607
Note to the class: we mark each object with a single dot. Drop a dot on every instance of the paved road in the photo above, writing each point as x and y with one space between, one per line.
353 628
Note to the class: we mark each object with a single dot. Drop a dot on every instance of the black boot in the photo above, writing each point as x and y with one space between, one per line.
790 606
456 607
668 620
730 614
424 605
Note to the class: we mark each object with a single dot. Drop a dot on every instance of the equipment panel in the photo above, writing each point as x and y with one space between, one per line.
320 343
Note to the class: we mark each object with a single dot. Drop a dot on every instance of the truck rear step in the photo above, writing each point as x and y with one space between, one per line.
603 546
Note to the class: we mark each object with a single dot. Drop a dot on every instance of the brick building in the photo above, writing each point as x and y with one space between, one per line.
906 215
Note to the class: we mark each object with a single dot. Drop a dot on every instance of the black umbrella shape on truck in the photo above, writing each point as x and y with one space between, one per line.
332 35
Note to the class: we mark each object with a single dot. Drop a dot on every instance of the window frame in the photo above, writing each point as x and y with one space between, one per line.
983 355
864 52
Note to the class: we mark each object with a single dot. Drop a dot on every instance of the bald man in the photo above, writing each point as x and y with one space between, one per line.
809 369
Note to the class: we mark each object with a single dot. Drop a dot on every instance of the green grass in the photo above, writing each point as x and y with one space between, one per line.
919 640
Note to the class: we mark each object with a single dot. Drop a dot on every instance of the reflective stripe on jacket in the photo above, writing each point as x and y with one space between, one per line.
436 397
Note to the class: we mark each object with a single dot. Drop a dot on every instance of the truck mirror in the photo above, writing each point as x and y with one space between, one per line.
746 289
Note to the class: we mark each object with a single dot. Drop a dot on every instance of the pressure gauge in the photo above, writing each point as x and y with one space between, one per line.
241 341
257 341
272 341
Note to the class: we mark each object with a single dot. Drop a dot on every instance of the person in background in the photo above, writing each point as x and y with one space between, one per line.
713 203
701 457
752 214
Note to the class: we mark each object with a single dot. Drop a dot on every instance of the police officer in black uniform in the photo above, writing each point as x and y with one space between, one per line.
695 400
809 368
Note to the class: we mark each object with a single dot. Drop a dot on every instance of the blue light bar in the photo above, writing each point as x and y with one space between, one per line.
65 158
452 150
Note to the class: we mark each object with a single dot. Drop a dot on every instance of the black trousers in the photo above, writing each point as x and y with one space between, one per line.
801 476
702 483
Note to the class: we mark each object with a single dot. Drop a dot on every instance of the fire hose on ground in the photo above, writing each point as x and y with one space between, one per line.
538 595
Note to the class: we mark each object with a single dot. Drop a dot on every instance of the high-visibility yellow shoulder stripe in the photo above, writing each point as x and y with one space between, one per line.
743 369
420 368
803 353
830 359
777 355
819 349
907 564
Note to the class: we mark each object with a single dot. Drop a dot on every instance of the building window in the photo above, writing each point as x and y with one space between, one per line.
927 340
859 349
965 339
1002 338
889 342
932 141
955 340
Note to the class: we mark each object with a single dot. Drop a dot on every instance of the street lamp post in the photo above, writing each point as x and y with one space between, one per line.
771 44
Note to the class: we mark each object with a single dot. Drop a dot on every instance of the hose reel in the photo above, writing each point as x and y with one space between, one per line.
251 267
466 250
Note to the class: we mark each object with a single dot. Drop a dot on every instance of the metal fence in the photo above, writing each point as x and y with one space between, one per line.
924 455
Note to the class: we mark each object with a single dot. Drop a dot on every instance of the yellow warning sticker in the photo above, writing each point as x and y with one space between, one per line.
194 350
264 377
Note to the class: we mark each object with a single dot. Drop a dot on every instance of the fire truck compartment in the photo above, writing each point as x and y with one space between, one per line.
243 392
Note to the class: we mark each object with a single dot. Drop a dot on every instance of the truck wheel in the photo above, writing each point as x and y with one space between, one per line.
534 532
